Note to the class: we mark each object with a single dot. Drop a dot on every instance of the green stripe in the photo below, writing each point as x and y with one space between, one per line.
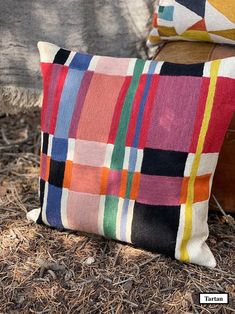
129 183
110 216
119 146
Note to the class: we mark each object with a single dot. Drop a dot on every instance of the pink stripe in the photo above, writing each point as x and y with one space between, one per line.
98 108
89 153
112 66
82 211
79 103
59 89
135 110
114 182
220 118
148 110
55 76
159 190
199 114
46 69
118 110
171 125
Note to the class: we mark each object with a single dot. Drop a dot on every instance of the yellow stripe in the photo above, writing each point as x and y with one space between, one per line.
184 256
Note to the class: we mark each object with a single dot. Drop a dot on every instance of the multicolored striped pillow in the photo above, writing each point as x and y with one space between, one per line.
195 20
129 148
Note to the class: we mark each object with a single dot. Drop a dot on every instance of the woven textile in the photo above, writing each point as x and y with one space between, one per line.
129 147
200 20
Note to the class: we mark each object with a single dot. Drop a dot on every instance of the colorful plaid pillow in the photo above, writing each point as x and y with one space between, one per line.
199 20
129 147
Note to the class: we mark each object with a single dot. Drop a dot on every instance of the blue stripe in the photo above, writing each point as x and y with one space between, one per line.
67 102
132 159
80 61
142 104
59 149
124 219
152 67
53 212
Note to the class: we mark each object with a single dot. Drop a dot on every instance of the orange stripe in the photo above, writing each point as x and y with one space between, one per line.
135 186
201 189
104 180
48 162
122 192
67 174
41 161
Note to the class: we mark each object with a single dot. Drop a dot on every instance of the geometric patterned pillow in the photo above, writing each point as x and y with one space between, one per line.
129 147
194 20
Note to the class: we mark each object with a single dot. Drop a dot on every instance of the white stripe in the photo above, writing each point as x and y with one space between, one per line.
139 160
41 140
227 67
131 67
158 67
126 158
33 214
44 217
71 149
70 58
180 232
108 155
207 69
118 219
101 215
129 220
47 51
146 66
64 217
49 145
199 252
93 63
207 164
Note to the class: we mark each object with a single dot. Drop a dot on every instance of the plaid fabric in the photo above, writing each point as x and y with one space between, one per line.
204 20
129 147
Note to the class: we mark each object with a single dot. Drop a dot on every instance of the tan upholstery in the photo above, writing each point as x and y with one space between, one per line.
192 52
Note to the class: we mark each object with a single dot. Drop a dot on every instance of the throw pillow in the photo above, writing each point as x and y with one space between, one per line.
129 148
201 20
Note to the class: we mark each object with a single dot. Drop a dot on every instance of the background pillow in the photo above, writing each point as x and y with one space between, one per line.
129 147
203 20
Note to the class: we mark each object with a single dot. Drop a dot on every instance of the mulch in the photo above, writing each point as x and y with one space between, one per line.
43 270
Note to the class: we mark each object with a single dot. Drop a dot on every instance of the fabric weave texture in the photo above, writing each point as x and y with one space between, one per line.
193 20
129 147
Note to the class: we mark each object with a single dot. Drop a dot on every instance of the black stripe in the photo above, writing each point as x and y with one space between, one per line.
173 69
163 162
154 227
61 56
45 139
42 189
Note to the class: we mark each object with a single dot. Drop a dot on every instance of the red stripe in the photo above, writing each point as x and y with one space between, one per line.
118 110
46 69
200 113
147 111
221 115
59 89
135 110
